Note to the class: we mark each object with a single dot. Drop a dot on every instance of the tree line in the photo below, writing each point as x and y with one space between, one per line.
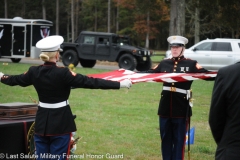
147 22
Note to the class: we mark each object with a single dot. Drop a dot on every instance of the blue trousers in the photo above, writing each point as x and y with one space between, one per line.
52 147
173 136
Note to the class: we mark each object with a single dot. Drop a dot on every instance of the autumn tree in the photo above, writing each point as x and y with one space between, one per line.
147 22
94 15
150 14
177 18
199 23
230 13
125 16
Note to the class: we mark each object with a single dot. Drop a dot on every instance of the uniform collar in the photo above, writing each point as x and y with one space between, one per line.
50 63
178 58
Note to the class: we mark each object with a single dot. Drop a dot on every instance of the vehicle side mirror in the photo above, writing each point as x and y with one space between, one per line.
195 49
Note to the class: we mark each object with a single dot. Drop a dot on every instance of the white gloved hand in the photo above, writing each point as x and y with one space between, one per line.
1 75
126 83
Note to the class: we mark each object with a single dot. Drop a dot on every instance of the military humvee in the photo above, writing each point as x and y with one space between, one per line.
92 46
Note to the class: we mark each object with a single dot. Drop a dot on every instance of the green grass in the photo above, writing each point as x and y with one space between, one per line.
123 121
158 56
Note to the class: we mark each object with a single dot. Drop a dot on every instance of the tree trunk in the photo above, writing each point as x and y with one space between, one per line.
197 26
232 35
57 17
109 16
68 26
220 33
182 17
173 18
6 9
96 14
77 13
72 19
147 34
177 17
117 17
43 9
23 8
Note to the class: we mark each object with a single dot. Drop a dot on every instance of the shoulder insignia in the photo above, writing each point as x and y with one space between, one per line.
198 66
73 73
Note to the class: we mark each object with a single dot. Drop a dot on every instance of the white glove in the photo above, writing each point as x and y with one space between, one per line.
126 83
1 75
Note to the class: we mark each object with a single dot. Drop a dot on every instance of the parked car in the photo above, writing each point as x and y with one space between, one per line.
92 46
213 54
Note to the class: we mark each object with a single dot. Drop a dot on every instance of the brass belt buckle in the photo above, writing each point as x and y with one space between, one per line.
173 89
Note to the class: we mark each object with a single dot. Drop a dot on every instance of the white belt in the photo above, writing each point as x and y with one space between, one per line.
53 105
174 89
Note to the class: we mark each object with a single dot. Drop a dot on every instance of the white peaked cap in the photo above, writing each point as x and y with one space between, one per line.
177 41
50 43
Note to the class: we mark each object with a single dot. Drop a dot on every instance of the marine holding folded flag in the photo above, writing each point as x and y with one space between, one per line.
175 105
54 121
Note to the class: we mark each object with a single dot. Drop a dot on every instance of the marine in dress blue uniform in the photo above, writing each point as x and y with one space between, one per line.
174 108
54 121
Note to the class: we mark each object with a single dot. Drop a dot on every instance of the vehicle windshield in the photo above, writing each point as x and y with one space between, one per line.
121 40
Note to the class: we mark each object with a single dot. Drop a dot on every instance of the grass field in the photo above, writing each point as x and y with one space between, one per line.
115 123
158 56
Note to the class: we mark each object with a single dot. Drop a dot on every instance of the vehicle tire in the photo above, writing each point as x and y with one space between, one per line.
145 65
70 57
15 60
87 63
127 61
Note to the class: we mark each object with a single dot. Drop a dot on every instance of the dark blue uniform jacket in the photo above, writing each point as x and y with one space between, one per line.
53 85
175 104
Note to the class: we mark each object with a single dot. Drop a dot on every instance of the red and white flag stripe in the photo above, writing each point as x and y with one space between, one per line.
121 74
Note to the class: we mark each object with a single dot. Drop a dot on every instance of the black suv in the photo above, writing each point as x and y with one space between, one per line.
92 46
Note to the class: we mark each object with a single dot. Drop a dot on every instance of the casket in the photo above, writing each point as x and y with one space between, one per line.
16 119
17 110
13 136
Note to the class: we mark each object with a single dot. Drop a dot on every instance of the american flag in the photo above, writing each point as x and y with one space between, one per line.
121 74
